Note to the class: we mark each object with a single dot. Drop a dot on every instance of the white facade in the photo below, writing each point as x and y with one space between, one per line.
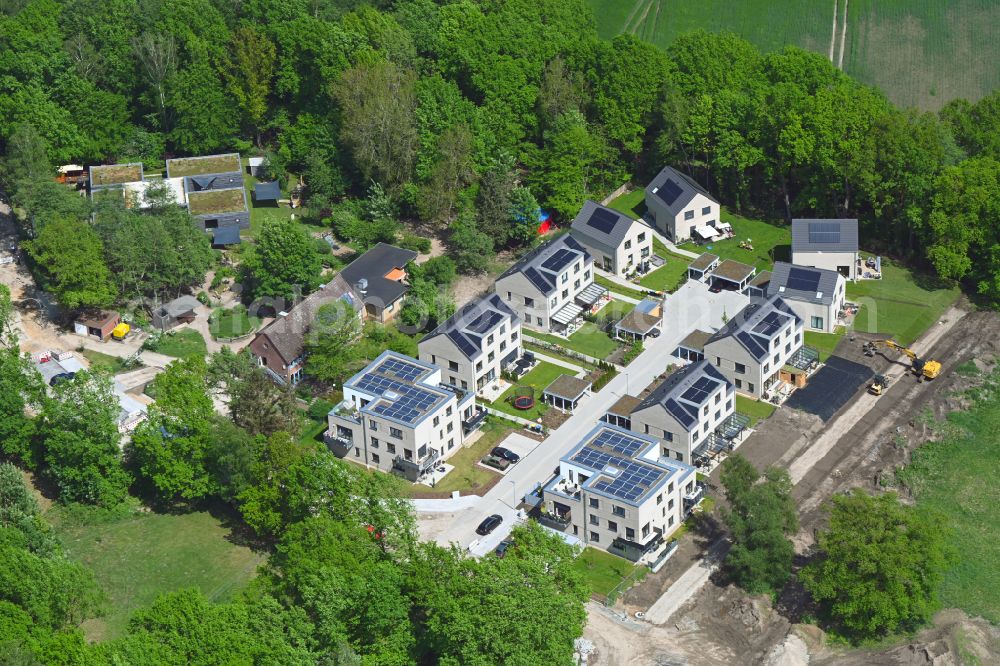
845 263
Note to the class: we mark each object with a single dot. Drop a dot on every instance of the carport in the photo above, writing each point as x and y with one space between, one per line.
692 348
565 392
734 273
702 265
831 387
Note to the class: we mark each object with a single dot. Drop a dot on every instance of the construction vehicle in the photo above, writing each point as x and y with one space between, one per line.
879 385
746 244
922 368
121 332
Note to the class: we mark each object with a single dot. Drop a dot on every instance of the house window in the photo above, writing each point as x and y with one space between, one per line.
391 448
595 537
509 297
479 366
718 415
374 443
586 275
437 421
538 320
718 361
447 412
576 267
503 345
788 348
375 458
729 405
555 299
817 322
670 521
612 526
465 384
513 336
641 237
594 504
739 383
451 443
628 245
489 339
707 210
618 510
372 425
629 533
704 410
718 398
741 369
565 293
576 284
679 456
529 302
451 426
645 252
688 215
798 338
491 356
357 452
564 278
670 505
453 366
750 386
765 367
645 530
594 520
396 432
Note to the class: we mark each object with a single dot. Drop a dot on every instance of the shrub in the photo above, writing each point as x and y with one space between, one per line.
411 241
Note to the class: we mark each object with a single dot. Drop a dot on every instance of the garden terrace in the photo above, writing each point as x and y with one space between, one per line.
201 166
217 202
115 174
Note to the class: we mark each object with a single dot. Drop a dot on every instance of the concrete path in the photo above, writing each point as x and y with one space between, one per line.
623 298
688 584
445 505
618 279
673 248
577 370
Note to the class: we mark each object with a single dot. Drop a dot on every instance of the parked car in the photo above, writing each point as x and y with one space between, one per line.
61 377
489 524
497 462
502 548
506 454
654 333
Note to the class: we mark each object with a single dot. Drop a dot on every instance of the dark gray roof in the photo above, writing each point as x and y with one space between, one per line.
467 327
803 283
756 325
287 334
825 235
180 306
682 393
373 266
229 235
543 265
675 190
267 191
601 225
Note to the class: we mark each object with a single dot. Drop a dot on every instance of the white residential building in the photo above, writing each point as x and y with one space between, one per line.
678 205
816 295
619 244
829 244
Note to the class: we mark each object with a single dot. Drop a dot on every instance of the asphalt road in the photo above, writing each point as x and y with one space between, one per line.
693 306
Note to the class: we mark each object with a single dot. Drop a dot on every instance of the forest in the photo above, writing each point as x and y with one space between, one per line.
465 116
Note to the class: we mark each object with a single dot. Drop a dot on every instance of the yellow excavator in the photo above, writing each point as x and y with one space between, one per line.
922 368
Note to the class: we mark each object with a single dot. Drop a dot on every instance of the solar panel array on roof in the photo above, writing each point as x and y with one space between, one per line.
752 345
802 279
559 260
619 442
603 220
770 324
700 391
485 322
682 415
824 232
412 402
462 343
537 279
403 371
669 191
630 479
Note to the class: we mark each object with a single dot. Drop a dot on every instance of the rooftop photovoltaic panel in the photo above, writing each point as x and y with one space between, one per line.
619 442
409 403
770 324
537 279
406 372
669 191
559 260
678 411
700 391
752 345
802 279
485 322
603 220
462 343
824 232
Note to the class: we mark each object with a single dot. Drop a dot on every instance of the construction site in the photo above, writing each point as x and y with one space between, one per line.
857 428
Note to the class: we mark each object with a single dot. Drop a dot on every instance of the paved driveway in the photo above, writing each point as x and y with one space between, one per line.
693 306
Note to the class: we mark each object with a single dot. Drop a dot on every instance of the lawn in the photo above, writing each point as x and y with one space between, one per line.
182 343
196 166
902 304
956 478
588 339
770 242
538 378
669 276
616 288
216 202
110 364
824 343
467 475
232 322
631 203
139 557
602 571
757 410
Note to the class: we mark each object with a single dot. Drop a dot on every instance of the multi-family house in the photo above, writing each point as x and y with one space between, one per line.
397 416
814 294
619 244
550 287
686 411
616 491
677 205
474 345
753 346
379 276
829 244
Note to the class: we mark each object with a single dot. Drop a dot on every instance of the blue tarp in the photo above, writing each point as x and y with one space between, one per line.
267 191
226 235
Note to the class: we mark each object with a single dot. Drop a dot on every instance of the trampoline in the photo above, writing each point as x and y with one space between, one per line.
523 398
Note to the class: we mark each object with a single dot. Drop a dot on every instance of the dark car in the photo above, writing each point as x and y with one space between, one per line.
61 377
505 453
502 548
489 524
715 288
654 333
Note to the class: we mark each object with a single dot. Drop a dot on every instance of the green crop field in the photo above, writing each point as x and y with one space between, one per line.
920 52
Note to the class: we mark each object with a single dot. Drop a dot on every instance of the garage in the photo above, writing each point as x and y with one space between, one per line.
831 387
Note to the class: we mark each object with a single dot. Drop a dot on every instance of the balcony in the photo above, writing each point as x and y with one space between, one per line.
559 519
566 489
346 411
339 445
414 469
693 498
474 421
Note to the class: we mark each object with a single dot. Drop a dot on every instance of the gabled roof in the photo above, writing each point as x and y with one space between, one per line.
373 266
474 321
543 265
803 283
823 235
675 190
682 393
602 225
756 325
287 334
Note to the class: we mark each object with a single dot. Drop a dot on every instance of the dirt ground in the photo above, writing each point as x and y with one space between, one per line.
721 625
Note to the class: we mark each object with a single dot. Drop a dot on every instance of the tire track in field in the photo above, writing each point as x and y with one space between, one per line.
843 38
631 16
640 24
833 32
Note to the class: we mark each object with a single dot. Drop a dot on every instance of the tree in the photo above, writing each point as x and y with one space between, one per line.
760 518
329 345
452 171
283 262
249 79
70 261
473 249
79 440
200 109
377 103
21 387
157 55
261 407
19 511
879 566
